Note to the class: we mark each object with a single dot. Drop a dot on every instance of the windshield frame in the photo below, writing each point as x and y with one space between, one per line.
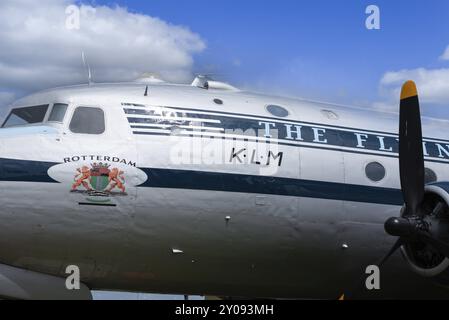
50 111
11 113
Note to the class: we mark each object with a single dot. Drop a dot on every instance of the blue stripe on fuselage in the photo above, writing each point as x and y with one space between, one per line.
35 171
25 171
215 181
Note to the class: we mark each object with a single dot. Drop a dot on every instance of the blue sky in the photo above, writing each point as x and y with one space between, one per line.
317 49
313 49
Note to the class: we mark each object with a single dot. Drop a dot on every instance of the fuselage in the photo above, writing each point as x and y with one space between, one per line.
194 191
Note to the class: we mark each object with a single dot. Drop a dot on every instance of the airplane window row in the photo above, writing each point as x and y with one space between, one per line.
25 116
376 172
85 120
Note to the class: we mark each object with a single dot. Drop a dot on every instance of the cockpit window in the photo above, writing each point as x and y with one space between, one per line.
58 112
88 120
26 116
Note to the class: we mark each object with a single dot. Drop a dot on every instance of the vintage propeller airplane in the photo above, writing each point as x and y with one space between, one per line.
205 189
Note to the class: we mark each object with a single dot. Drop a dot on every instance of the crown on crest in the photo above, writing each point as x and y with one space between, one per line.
100 166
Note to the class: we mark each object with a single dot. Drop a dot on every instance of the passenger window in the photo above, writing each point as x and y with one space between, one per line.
88 120
375 171
277 111
430 176
58 112
26 116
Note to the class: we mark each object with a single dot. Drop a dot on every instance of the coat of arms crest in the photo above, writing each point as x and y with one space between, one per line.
99 180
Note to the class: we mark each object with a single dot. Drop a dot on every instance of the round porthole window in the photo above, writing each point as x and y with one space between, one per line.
430 176
277 111
218 101
375 171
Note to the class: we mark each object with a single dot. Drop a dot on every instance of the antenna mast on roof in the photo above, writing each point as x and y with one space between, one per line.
86 65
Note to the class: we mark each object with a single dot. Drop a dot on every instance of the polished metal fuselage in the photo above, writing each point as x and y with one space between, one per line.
303 227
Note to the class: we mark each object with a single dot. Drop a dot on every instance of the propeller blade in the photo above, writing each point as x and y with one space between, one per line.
411 157
396 246
359 285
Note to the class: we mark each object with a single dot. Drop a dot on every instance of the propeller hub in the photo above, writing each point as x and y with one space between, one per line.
399 227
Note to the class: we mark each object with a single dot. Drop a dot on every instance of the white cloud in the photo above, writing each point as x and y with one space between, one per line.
445 55
6 98
38 51
433 86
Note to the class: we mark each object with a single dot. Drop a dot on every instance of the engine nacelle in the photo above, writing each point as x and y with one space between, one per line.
422 258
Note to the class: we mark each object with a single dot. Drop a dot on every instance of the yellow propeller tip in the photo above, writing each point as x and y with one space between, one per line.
409 90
